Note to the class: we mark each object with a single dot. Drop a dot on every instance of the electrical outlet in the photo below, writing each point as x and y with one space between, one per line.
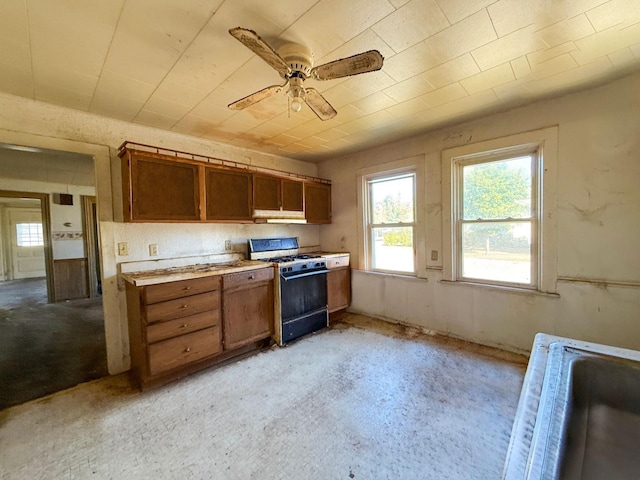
227 245
123 249
434 255
153 249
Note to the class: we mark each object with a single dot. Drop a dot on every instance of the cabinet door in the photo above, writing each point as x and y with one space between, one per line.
157 189
338 288
317 202
266 192
228 194
247 315
292 193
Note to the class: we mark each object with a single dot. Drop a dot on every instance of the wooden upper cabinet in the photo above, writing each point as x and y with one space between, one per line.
159 189
274 193
292 196
267 193
317 201
229 194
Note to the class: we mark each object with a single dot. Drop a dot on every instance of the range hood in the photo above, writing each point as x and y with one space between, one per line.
278 216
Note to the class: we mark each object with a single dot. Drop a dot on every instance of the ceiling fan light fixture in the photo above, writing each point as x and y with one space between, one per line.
296 92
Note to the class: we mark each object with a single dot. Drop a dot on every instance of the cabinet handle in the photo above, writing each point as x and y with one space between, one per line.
251 277
184 306
187 350
337 263
187 288
184 325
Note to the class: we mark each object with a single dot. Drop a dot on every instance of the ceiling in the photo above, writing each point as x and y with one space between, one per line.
172 64
43 165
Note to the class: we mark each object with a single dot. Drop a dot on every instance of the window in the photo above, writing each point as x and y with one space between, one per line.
499 205
29 234
496 219
390 222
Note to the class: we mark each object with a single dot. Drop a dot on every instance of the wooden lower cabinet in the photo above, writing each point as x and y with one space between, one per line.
248 310
177 328
338 288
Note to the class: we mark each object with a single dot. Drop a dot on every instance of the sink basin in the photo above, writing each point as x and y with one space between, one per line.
590 418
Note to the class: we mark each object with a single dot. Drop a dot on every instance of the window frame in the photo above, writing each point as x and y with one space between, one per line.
37 236
533 219
369 214
545 143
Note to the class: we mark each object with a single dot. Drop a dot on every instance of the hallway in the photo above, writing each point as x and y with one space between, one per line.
47 347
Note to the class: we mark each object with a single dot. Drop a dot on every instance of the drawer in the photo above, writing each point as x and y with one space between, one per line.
182 307
168 291
338 262
247 277
182 350
162 330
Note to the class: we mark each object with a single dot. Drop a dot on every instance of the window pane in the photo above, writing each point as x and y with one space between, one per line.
392 200
392 249
497 190
498 251
29 234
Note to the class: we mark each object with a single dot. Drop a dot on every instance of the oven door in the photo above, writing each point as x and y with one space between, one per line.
303 301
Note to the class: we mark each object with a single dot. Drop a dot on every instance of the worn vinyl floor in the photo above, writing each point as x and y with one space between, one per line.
47 347
363 400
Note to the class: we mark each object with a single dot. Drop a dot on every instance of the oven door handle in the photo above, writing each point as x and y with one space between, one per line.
305 274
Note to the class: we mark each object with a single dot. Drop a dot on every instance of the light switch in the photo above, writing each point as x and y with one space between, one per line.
123 249
153 249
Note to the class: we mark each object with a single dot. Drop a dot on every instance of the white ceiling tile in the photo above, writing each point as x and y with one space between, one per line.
15 80
56 75
169 91
14 21
622 58
62 96
603 43
154 119
322 30
482 102
543 55
456 10
444 95
311 142
635 49
513 92
410 24
521 67
374 102
452 71
614 13
462 37
407 89
331 134
410 107
190 124
338 96
167 108
488 79
114 85
398 3
411 62
212 111
565 80
507 48
553 66
566 31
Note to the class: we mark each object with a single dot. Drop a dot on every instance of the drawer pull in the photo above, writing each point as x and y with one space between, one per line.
184 306
187 350
251 277
187 288
184 325
337 263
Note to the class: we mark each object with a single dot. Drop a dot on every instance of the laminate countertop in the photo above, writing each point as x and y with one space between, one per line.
152 277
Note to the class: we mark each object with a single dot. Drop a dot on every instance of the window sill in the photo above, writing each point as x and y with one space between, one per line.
502 288
402 276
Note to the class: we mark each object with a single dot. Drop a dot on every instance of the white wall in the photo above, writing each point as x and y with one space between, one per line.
27 122
598 231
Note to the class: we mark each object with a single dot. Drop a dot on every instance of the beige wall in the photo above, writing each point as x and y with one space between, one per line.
598 227
26 122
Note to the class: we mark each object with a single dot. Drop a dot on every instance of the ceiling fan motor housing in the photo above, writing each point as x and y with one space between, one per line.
298 57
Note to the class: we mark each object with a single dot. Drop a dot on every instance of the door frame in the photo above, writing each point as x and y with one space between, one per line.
46 233
89 227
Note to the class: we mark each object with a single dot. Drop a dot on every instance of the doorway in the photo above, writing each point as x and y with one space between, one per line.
52 331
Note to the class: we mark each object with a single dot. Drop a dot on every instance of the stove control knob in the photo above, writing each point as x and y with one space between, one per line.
303 266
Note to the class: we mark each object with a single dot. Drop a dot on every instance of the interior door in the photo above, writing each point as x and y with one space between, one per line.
27 245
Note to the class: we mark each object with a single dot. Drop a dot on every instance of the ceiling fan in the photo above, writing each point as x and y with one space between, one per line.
294 63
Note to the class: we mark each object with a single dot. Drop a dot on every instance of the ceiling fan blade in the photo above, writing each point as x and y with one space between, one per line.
361 63
319 104
255 97
253 42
